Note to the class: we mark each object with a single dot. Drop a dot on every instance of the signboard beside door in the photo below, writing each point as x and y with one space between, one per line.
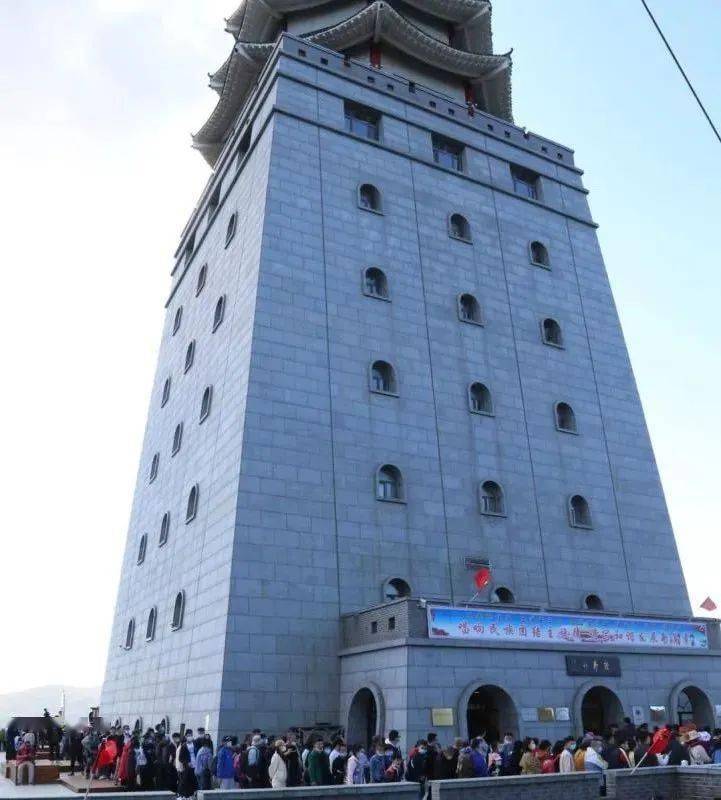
595 665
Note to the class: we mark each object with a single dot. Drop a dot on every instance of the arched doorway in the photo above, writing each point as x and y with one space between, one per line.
693 706
600 708
490 712
362 718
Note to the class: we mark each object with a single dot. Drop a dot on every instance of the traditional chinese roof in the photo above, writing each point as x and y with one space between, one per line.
257 23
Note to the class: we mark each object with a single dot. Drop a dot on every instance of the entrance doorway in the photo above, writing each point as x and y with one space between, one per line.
362 719
694 706
600 709
491 713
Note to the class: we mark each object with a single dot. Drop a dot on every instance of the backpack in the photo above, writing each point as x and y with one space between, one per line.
465 765
550 764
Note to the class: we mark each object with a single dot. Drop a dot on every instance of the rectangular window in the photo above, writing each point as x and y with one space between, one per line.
361 120
447 153
526 182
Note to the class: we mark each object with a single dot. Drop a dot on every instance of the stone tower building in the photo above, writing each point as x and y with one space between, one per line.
391 357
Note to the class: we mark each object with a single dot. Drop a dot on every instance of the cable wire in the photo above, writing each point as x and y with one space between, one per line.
681 70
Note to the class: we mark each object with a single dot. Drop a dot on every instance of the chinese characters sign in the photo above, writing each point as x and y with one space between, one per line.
481 624
610 666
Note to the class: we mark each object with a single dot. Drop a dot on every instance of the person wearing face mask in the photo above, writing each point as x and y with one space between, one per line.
530 764
185 764
593 761
418 766
565 759
277 770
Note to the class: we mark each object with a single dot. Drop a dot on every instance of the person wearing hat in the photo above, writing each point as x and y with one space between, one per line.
224 769
696 751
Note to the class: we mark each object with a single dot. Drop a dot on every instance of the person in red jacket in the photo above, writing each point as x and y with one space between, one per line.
25 761
107 756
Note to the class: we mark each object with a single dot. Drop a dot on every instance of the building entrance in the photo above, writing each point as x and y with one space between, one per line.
491 713
600 709
694 706
362 719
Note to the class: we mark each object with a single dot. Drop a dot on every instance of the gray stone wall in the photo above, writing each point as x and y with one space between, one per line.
575 786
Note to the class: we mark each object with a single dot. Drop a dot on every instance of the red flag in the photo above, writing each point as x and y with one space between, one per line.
660 741
482 578
709 605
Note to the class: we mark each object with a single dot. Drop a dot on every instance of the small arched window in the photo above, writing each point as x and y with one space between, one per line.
593 602
389 484
191 508
383 378
539 254
164 529
565 418
502 595
395 588
230 230
459 228
202 277
150 625
177 319
479 399
142 547
552 333
178 611
189 355
166 393
177 438
154 464
129 634
469 310
579 512
205 402
219 313
492 500
375 283
369 198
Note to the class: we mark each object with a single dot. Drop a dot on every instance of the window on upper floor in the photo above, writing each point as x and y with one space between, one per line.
189 355
129 634
213 203
479 399
469 310
178 611
383 378
205 403
375 283
579 512
565 418
243 147
503 595
539 254
389 484
230 229
150 625
177 438
189 248
551 332
191 508
177 319
459 228
593 602
142 547
154 464
395 588
165 396
164 529
202 278
369 198
491 499
447 153
219 313
526 182
361 120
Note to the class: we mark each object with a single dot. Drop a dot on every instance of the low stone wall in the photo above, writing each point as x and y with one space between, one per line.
665 783
575 786
372 791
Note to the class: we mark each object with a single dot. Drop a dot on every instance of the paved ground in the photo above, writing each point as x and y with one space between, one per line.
9 790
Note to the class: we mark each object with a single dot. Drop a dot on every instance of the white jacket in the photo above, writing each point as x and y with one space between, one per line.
278 772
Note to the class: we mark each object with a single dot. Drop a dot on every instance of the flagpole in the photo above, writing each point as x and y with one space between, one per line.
636 766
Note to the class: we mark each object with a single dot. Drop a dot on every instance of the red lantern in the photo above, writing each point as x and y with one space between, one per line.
482 578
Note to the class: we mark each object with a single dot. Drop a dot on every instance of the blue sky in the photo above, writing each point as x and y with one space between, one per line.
99 98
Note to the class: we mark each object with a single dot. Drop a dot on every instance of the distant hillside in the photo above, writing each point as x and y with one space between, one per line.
31 702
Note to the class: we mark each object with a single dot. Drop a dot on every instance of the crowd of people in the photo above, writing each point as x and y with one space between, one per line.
188 762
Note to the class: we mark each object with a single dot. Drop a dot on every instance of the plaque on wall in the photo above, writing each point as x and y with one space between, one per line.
638 715
658 713
563 714
529 714
546 714
608 666
442 717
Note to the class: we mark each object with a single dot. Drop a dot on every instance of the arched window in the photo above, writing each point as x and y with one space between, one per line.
177 438
369 198
375 283
150 626
178 611
469 309
579 512
593 602
395 588
154 464
178 319
492 500
389 483
383 378
202 277
539 254
459 228
565 418
230 230
189 355
129 634
164 529
142 547
192 507
219 313
205 403
502 595
479 399
552 333
166 393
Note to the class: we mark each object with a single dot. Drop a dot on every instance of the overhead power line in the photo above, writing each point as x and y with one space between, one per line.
681 70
